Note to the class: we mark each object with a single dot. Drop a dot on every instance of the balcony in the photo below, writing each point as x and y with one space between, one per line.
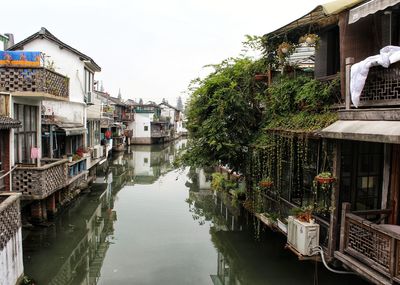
33 82
382 87
127 117
159 133
371 249
38 182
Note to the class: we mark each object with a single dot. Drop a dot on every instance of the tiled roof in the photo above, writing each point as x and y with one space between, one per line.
8 123
44 33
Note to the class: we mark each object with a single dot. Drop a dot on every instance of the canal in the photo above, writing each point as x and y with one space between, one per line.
145 223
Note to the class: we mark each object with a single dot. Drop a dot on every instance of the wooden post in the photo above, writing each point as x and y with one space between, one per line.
343 234
349 63
333 227
51 141
269 77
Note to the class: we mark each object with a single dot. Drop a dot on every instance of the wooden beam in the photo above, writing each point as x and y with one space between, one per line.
375 114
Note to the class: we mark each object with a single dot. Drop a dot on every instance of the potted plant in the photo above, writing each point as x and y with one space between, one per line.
303 214
310 39
284 50
266 183
325 178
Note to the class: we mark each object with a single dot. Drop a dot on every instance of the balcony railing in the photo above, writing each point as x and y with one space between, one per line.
10 217
39 182
31 81
126 117
377 246
159 133
382 87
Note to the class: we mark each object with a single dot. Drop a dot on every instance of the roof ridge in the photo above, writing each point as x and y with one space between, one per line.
43 32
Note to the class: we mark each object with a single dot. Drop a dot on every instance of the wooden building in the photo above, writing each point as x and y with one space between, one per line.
360 223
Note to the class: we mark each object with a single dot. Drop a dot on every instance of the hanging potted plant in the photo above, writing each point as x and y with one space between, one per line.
266 183
325 178
284 50
310 39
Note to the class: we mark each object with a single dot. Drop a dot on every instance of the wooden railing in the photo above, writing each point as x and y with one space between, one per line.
381 89
34 80
375 245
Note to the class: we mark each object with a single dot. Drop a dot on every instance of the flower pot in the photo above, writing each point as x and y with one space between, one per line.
325 180
282 226
266 184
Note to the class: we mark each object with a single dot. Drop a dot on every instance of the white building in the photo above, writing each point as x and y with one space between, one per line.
148 128
69 116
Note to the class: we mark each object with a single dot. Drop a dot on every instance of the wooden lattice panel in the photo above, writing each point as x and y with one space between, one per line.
13 79
382 84
10 221
369 243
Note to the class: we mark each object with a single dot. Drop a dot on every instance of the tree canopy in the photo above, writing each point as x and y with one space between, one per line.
223 114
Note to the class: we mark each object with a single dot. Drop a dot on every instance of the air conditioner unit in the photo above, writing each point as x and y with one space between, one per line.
302 236
89 98
97 151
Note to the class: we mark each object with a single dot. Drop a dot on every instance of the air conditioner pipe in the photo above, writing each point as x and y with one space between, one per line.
319 250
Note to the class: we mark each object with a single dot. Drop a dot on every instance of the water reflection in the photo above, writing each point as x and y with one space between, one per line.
240 258
72 251
134 227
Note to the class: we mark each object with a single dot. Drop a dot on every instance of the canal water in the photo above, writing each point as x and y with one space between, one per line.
145 223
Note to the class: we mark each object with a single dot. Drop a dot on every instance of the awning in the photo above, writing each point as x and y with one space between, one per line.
74 131
370 7
370 131
319 16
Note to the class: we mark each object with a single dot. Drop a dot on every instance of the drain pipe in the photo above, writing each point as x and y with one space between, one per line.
319 250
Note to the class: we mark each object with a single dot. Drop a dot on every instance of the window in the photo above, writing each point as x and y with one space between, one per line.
88 84
361 174
25 137
89 133
93 133
146 128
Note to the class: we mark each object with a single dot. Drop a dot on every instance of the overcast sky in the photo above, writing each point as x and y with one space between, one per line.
152 49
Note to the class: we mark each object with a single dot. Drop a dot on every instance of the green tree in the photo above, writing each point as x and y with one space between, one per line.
223 114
